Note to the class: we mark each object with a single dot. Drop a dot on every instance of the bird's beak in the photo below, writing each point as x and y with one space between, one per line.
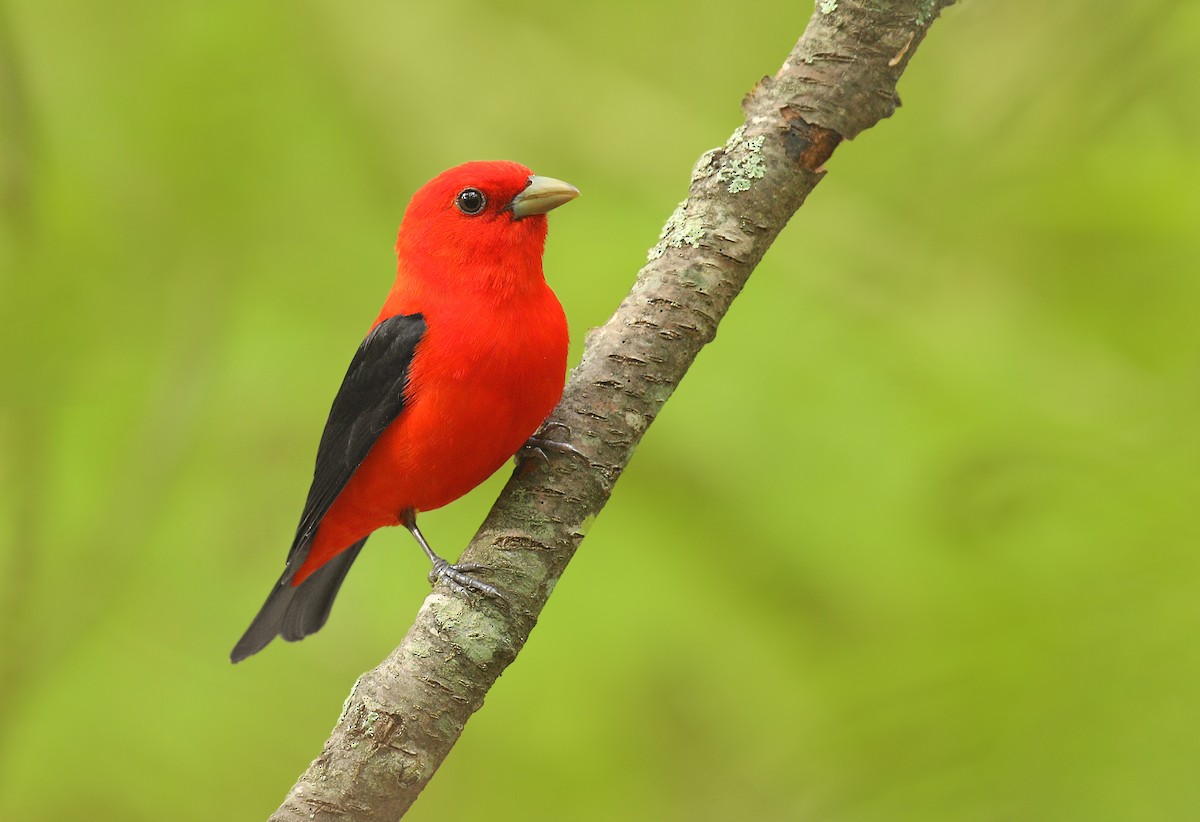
541 195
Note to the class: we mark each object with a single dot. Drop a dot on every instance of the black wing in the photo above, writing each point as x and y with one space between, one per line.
371 397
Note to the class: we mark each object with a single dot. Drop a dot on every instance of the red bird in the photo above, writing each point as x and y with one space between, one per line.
465 361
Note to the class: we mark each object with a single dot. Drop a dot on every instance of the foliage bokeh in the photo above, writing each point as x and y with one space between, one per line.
916 538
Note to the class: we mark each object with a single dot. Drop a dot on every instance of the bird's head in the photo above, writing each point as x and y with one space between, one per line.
483 220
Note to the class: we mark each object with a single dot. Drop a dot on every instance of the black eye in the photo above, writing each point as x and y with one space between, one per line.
470 201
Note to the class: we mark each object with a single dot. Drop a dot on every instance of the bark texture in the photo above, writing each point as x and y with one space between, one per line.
402 718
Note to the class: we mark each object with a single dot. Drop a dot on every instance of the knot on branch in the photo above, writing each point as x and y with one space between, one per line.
806 144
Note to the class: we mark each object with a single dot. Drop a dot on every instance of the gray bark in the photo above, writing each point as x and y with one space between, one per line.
402 718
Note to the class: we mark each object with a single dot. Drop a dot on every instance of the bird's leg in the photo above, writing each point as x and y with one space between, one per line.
541 442
456 576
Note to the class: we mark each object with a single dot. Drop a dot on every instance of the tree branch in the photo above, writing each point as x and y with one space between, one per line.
402 718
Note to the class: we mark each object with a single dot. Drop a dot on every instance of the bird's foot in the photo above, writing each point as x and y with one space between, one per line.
459 577
537 446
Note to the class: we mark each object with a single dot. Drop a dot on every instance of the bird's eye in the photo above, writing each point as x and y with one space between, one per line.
470 201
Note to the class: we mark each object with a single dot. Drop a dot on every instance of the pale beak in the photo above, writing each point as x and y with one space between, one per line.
541 195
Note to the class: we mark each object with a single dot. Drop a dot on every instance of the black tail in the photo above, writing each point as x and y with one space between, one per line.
294 613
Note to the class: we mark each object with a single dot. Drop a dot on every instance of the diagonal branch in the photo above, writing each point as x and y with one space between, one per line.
402 718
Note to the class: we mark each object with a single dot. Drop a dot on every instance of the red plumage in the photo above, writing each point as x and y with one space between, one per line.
464 362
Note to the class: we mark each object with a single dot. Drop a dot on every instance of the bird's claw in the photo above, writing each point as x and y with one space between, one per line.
540 443
458 577
550 425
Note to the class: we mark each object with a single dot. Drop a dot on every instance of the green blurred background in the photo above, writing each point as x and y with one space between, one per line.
915 540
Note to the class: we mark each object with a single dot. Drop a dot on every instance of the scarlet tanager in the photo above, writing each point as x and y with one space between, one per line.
463 364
